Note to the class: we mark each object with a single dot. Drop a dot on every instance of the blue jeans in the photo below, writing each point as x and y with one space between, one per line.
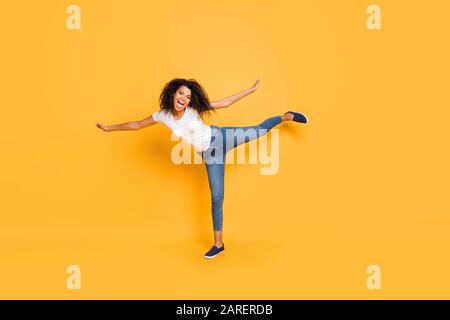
223 139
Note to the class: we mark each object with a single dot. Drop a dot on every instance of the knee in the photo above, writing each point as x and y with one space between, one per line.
217 198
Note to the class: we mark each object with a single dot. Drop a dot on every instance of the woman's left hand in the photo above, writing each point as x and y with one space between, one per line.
256 85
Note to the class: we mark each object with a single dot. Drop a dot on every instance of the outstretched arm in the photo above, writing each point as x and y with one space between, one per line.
133 125
232 99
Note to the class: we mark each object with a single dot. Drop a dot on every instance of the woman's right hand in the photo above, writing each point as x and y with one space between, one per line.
102 126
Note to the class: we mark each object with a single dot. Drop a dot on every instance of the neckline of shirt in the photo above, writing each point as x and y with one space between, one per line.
184 114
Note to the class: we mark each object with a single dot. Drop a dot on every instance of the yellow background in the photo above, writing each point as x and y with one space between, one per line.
365 182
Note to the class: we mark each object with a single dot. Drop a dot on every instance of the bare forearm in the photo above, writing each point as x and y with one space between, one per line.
133 125
238 96
232 99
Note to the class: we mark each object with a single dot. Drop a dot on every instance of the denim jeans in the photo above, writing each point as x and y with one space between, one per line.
223 139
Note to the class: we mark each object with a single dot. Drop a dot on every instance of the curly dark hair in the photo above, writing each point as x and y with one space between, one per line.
199 97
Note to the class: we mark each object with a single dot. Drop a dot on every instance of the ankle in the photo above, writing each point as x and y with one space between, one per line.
286 117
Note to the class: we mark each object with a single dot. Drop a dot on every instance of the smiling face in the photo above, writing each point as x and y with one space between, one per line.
181 98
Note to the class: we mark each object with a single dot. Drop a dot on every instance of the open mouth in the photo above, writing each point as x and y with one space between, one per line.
180 103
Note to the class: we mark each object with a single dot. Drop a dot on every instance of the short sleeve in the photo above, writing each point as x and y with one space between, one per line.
157 116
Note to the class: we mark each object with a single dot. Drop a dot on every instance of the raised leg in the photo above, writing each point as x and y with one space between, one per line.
235 136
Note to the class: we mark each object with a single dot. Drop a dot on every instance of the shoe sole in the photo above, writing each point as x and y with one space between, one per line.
210 257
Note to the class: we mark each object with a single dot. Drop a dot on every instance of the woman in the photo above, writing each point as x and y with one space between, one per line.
183 104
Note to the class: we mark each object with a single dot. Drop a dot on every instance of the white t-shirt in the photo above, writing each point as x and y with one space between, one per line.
190 127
